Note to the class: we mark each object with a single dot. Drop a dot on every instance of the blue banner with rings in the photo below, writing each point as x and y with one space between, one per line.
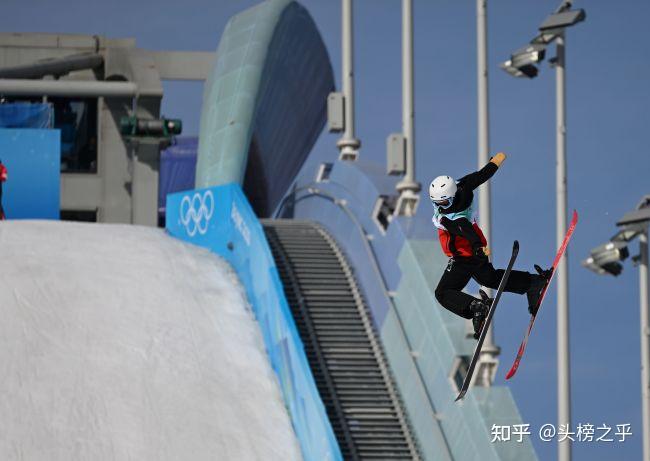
221 219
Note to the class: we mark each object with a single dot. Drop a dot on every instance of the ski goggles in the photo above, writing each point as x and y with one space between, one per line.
442 203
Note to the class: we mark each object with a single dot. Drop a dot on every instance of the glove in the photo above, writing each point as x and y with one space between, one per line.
498 159
479 253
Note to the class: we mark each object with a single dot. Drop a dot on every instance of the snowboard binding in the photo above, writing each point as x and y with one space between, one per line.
546 273
537 286
479 309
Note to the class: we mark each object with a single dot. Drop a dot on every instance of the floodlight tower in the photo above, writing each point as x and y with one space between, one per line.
522 64
606 259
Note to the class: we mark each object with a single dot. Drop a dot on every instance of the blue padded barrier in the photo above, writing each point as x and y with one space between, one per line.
221 219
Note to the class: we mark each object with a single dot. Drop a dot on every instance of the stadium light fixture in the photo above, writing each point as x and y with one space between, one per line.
556 22
522 62
606 259
528 71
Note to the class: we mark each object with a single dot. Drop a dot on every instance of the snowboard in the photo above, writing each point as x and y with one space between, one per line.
558 257
488 320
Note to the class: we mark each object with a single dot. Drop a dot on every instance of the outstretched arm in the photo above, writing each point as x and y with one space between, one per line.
473 180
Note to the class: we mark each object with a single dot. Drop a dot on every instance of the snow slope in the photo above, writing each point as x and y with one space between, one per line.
120 342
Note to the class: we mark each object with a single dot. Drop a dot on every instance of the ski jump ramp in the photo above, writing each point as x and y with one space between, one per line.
264 106
120 342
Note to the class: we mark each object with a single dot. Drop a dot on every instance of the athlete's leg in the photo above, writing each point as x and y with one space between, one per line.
449 291
488 276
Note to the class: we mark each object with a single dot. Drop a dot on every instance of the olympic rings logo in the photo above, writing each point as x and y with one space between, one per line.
195 212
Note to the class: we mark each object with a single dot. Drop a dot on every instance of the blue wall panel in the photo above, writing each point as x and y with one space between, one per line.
221 219
33 159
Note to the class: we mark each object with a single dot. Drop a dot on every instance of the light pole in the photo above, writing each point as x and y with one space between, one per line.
522 64
408 187
348 144
606 259
489 352
644 287
562 271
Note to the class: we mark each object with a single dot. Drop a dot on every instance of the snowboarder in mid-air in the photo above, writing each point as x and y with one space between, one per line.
462 240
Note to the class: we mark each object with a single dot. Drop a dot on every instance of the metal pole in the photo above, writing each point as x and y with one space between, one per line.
489 349
407 85
56 66
563 370
644 288
70 88
408 186
348 144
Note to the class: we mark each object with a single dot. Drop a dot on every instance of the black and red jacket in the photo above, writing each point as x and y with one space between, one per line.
458 231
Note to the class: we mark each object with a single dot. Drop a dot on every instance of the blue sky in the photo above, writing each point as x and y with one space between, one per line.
608 72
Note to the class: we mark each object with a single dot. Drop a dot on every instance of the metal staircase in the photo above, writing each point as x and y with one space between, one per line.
342 347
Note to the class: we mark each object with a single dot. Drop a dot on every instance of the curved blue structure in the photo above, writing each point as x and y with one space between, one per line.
264 104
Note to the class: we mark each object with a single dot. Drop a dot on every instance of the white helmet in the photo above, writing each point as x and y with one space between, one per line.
442 188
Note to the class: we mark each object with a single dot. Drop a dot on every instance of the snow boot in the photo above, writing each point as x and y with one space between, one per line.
537 284
479 309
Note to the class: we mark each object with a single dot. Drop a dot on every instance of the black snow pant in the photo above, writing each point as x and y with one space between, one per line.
457 275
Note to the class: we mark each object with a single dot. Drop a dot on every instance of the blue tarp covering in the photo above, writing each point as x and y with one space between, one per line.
177 168
26 115
221 219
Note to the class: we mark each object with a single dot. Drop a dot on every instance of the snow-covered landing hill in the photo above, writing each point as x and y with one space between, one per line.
119 342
